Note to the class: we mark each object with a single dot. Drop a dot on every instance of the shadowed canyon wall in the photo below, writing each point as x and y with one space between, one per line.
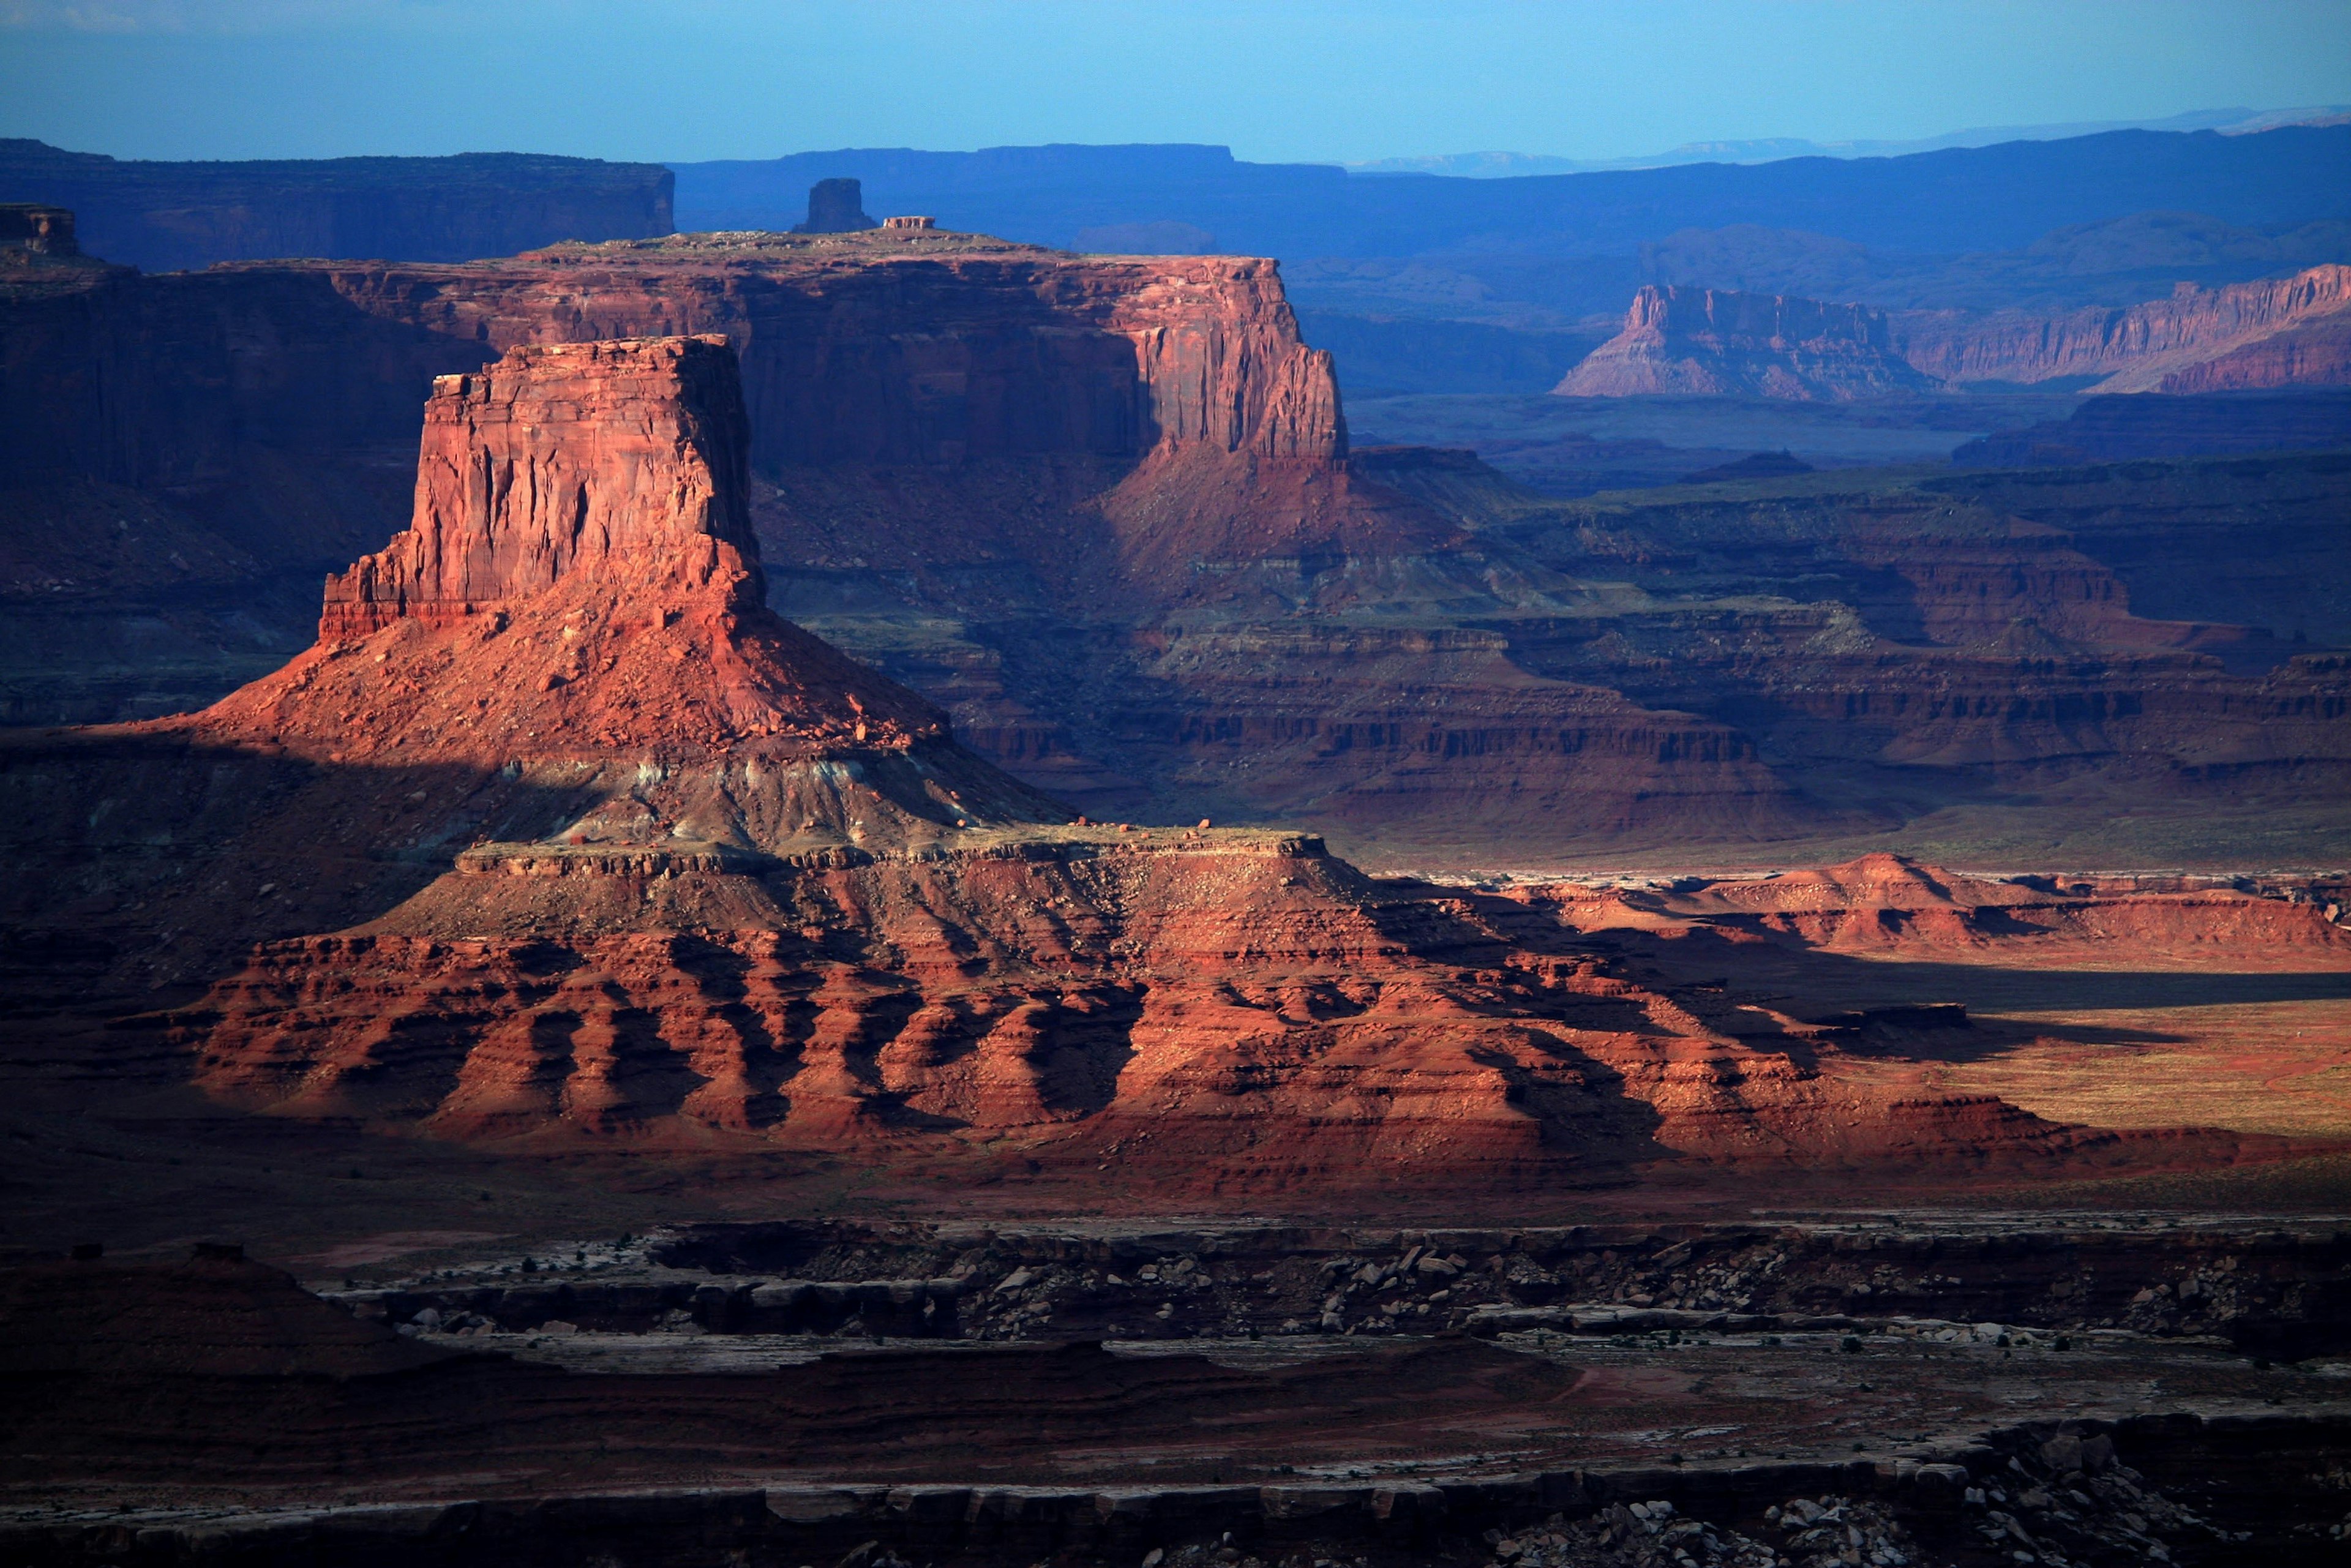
675 870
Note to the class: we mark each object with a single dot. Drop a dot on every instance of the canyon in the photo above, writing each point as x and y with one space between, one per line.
1106 514
560 878
670 869
872 897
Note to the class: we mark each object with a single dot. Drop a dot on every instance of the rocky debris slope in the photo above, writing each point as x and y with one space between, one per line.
1716 342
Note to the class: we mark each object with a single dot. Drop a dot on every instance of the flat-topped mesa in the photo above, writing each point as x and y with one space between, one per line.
1714 341
622 460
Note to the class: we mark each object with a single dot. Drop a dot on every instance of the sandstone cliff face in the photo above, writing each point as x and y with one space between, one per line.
579 575
2164 345
865 350
1712 342
924 347
563 459
2314 353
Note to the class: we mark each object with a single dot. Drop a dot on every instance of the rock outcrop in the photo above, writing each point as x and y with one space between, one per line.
835 207
2315 352
579 575
1713 343
2286 331
584 458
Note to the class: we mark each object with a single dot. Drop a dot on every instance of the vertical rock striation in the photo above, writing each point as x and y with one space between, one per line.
561 457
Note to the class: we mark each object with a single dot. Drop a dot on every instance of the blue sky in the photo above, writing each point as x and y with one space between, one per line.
1301 79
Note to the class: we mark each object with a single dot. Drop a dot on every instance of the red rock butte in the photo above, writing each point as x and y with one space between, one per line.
580 574
561 459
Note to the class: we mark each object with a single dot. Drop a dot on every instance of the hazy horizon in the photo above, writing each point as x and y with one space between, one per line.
1311 83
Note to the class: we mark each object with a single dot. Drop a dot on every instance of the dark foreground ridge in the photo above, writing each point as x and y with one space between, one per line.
700 1409
2077 1491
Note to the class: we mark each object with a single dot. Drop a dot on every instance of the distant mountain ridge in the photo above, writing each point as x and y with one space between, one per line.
2237 121
1942 202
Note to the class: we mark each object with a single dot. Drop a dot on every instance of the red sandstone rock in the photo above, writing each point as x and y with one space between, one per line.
1100 509
1713 342
2163 345
581 576
1892 906
561 459
2314 352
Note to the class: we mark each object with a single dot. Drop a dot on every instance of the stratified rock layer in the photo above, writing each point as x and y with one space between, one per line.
565 459
1104 512
2286 331
580 574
